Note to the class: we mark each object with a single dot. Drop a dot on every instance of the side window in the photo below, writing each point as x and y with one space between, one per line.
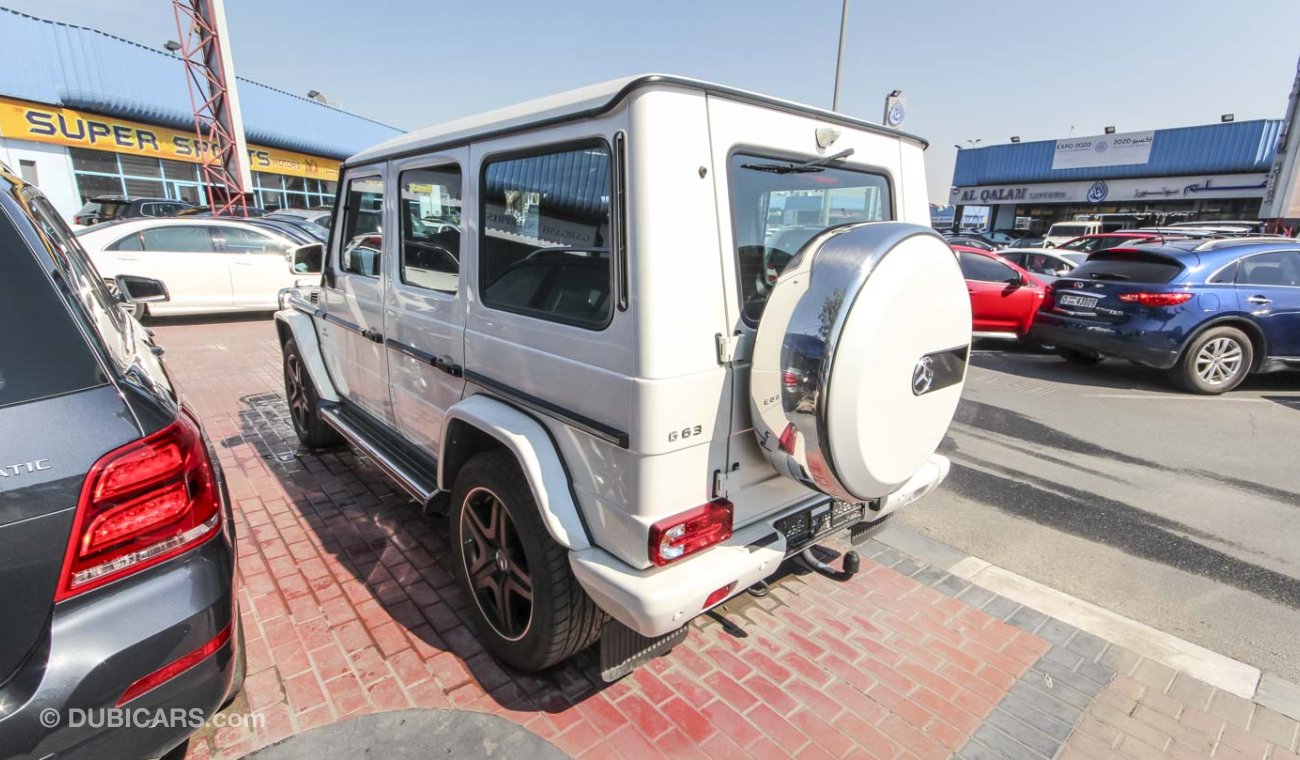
129 243
363 235
177 240
242 240
984 269
1274 268
1227 275
150 209
430 217
545 248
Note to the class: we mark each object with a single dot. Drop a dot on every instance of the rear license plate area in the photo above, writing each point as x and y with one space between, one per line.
805 527
1077 302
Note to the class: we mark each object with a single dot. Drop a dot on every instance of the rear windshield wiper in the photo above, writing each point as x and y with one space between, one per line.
804 168
1109 276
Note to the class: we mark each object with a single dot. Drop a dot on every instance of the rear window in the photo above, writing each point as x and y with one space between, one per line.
1128 266
777 205
105 210
42 353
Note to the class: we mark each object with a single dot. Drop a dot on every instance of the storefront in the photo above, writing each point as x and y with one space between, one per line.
1216 171
132 134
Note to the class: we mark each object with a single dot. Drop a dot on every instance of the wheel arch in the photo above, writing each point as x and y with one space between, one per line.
480 423
291 323
1258 343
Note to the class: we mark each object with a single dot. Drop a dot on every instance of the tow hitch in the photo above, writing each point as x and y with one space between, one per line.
849 566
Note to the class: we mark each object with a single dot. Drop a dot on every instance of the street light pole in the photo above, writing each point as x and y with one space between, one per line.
839 58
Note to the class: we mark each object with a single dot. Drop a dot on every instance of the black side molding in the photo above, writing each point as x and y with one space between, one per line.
600 430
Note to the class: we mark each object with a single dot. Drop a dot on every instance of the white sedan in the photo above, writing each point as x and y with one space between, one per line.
208 265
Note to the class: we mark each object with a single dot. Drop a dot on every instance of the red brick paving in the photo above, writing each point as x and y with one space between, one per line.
350 607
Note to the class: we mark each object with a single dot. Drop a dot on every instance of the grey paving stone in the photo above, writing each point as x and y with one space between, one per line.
888 556
1027 619
1023 733
951 585
1035 687
1056 631
976 751
1280 695
1191 692
1064 657
929 575
1000 607
1095 672
1004 745
975 596
1119 659
1086 644
907 566
1068 677
1057 726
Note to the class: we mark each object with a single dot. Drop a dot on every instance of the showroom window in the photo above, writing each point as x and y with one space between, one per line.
99 172
276 191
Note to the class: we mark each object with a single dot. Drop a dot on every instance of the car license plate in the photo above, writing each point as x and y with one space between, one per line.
1080 302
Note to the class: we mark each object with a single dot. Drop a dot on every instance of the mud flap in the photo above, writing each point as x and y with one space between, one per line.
623 650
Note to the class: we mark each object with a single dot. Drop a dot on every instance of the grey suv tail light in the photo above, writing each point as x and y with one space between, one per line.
860 358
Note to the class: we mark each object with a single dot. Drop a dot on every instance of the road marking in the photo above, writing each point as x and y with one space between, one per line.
1162 397
1203 664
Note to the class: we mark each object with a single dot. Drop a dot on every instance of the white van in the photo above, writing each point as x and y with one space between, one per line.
641 342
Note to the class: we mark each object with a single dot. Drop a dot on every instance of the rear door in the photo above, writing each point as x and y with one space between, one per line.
998 302
1268 286
185 258
353 333
425 305
257 264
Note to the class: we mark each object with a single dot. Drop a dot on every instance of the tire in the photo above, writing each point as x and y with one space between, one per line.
1215 361
304 405
499 540
1078 356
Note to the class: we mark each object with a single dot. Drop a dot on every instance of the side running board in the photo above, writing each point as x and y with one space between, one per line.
410 476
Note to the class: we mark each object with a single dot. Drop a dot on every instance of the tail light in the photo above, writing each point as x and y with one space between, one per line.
1155 300
176 667
1049 296
789 379
141 505
789 437
682 535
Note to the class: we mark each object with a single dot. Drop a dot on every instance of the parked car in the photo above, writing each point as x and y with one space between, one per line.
1003 297
117 545
1100 241
1209 312
103 208
300 230
1046 265
623 428
970 241
208 265
318 216
248 211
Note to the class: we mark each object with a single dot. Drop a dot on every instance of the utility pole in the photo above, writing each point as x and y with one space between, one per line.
218 124
839 58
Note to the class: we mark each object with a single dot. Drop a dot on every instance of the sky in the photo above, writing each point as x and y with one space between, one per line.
1040 70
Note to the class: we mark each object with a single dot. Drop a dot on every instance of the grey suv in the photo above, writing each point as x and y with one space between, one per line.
117 553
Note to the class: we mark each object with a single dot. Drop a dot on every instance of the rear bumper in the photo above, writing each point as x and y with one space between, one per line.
1158 347
101 644
659 600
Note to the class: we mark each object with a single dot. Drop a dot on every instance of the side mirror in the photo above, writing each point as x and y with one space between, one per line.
307 259
134 289
1016 281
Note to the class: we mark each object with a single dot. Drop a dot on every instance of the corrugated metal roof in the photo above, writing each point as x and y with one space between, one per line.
73 66
1244 146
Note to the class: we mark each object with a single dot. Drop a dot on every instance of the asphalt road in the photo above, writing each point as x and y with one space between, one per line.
1179 511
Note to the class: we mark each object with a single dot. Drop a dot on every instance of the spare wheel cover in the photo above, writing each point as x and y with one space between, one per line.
860 358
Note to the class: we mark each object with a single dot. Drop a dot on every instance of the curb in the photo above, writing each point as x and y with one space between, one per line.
1218 670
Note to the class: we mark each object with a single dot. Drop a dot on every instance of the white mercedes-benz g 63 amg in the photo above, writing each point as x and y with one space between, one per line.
641 342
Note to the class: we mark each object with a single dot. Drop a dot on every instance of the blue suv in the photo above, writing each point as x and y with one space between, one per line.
1208 312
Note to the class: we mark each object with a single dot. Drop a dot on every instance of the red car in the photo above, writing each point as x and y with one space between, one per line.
1003 297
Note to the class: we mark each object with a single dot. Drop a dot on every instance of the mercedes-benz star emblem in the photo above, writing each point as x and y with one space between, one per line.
923 376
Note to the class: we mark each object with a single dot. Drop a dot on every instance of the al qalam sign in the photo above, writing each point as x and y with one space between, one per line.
20 120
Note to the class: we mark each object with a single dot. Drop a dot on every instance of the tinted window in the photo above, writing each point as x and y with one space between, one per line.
984 269
1276 268
177 239
363 227
1125 265
48 356
545 239
1226 275
129 243
777 207
430 217
241 240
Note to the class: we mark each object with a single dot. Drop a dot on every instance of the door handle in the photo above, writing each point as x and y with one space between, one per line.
373 335
447 365
1261 300
242 263
128 258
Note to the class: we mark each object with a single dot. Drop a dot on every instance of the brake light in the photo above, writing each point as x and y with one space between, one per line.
1049 297
718 595
174 668
789 379
684 534
141 505
788 438
1155 300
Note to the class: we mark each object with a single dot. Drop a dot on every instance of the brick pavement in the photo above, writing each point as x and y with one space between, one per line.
350 608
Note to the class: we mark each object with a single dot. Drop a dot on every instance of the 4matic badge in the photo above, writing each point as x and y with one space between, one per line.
24 468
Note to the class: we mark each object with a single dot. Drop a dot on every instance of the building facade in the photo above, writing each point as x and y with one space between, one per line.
84 113
1214 171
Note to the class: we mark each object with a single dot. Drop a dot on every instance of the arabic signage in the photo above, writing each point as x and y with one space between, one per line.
21 120
1142 190
1282 199
1106 150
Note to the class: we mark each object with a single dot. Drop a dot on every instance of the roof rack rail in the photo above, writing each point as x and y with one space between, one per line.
1242 239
